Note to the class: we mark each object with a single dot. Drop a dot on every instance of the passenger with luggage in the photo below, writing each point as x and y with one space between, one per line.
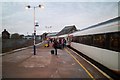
55 45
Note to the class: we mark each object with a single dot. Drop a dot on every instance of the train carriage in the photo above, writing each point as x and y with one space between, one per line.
100 42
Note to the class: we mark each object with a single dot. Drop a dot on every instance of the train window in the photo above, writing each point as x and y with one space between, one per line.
80 40
109 41
99 40
73 39
89 40
84 39
114 41
77 39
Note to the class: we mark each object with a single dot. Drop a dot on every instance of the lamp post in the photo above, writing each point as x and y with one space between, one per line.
34 7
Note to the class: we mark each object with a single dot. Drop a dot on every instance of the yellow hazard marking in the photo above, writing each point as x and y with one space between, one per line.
80 64
93 66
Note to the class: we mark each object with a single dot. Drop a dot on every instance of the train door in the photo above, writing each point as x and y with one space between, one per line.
69 39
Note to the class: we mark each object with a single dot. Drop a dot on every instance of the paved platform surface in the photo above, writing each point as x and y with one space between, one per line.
23 64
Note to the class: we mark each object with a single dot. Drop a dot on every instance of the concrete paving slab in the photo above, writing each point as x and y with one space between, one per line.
24 64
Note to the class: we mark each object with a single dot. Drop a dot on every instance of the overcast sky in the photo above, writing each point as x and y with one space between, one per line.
16 19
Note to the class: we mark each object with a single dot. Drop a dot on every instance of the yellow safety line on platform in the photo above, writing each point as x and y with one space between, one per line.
80 64
93 66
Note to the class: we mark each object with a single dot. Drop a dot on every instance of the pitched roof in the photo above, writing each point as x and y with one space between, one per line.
67 29
52 34
5 32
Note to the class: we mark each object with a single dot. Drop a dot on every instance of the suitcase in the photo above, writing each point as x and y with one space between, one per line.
52 51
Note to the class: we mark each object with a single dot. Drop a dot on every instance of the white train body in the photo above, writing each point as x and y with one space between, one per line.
107 57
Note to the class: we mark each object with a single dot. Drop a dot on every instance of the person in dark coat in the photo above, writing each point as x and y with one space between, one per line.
64 42
55 45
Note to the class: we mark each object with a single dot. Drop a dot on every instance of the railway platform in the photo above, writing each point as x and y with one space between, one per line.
66 64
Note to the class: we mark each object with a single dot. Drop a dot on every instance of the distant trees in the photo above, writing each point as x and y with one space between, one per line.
6 35
22 36
17 36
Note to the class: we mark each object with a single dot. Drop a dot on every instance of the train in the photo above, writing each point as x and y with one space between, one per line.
100 42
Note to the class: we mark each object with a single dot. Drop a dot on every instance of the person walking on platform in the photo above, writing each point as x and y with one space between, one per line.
55 45
64 43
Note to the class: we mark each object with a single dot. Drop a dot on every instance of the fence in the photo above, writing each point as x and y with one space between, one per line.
12 44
